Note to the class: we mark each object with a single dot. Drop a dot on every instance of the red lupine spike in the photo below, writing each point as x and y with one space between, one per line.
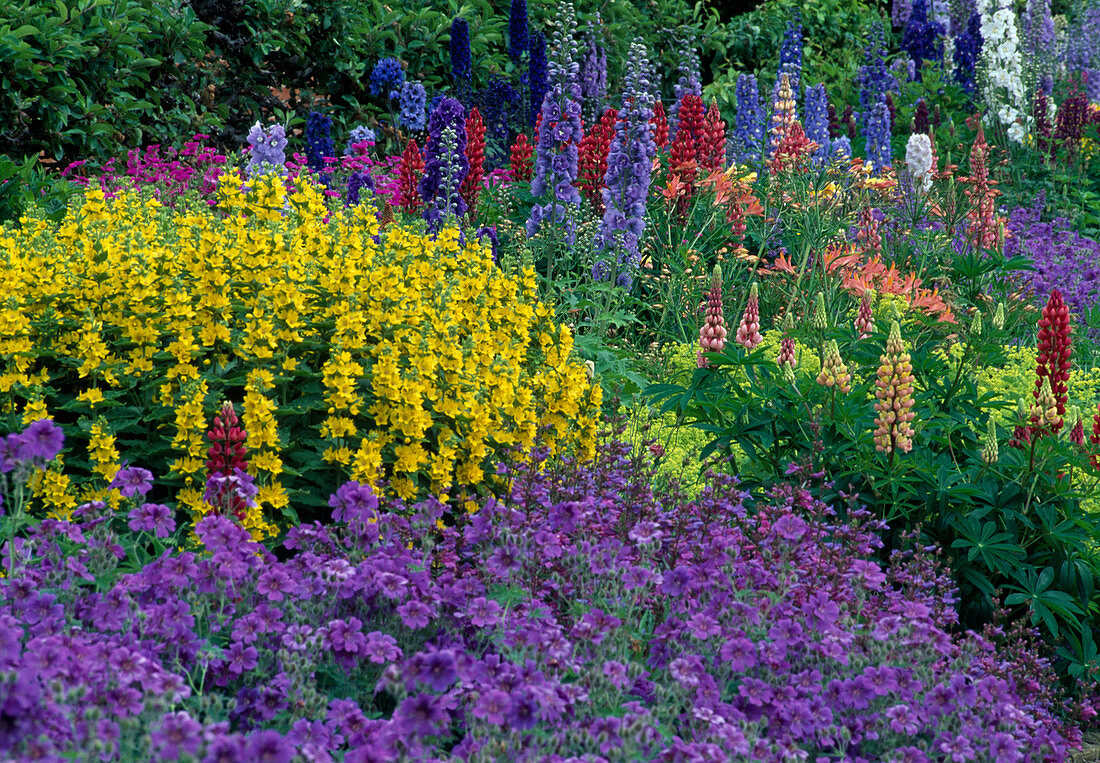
735 216
660 125
712 151
522 167
793 148
712 334
592 158
868 233
684 152
475 154
412 165
748 331
865 318
1055 346
984 230
227 452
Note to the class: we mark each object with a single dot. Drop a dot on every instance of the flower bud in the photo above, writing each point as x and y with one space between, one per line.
990 452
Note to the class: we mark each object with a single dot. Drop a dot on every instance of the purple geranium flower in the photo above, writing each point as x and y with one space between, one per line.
152 517
133 480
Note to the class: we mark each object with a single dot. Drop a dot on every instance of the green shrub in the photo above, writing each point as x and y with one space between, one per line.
82 78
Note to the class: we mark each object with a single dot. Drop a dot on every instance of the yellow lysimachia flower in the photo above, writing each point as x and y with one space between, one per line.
387 354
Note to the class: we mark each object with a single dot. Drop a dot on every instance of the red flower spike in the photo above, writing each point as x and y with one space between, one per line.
521 166
475 155
865 318
794 147
1055 346
684 152
660 125
227 451
712 334
712 151
868 234
735 216
748 331
985 227
592 159
412 165
1077 433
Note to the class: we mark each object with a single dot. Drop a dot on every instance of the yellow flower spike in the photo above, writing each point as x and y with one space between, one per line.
990 452
894 395
1044 411
834 373
429 357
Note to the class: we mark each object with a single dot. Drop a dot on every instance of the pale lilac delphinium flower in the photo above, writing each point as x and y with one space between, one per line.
628 177
556 156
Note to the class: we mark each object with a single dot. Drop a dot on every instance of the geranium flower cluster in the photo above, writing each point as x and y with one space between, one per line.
170 171
1063 258
583 616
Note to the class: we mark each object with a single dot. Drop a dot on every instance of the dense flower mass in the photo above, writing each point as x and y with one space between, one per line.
401 381
581 615
1063 258
303 461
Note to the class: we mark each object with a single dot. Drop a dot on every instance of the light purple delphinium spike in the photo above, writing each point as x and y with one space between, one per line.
594 73
559 134
629 169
